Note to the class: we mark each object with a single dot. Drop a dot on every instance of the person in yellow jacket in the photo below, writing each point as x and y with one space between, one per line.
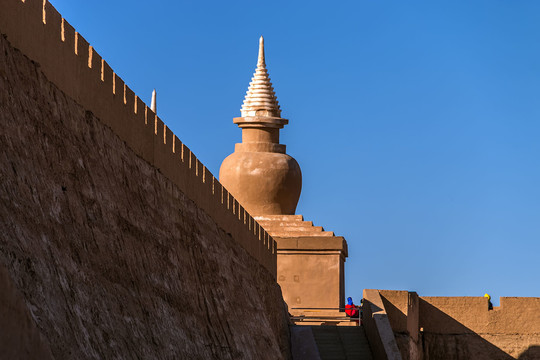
490 305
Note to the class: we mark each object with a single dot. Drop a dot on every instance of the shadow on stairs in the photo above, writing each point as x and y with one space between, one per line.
329 343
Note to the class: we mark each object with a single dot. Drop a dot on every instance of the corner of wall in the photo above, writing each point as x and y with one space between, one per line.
377 326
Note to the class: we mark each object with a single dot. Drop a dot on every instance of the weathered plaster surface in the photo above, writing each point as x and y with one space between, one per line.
463 327
22 340
112 259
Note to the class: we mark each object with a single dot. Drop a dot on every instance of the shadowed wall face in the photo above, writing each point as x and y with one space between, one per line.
67 60
463 327
112 259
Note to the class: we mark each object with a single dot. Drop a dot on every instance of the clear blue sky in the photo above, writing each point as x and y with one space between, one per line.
416 123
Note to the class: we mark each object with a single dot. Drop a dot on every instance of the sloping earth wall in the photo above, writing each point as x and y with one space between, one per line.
111 258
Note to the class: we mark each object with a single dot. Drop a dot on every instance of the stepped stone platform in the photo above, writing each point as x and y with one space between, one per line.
292 232
291 226
309 259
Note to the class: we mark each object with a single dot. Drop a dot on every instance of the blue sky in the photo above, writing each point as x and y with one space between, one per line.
416 123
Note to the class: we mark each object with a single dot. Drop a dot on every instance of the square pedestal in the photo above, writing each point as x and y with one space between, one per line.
310 264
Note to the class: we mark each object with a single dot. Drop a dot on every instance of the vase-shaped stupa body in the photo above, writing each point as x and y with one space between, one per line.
259 174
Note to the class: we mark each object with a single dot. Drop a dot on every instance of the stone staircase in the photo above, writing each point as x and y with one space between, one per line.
335 343
290 226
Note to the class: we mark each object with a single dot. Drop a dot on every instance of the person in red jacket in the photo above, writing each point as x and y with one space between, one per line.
351 309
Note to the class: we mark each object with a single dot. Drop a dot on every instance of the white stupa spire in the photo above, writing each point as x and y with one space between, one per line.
260 98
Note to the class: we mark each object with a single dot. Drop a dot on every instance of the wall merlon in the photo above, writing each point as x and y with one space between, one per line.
139 116
184 155
34 8
167 137
198 168
129 99
53 21
266 240
219 191
159 130
205 176
37 29
107 75
81 47
139 108
241 213
95 62
225 198
117 85
230 199
230 203
68 34
43 15
235 205
207 197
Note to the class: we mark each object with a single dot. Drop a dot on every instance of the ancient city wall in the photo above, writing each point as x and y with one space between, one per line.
112 245
463 327
65 57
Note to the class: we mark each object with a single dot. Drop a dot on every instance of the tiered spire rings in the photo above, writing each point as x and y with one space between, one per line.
260 98
260 107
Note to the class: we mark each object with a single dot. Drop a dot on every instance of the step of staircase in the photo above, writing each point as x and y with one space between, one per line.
285 223
280 217
342 342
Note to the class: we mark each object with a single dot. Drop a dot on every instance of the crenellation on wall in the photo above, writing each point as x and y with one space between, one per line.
44 17
139 109
81 49
425 326
95 64
514 315
72 64
129 99
260 247
395 303
53 25
106 75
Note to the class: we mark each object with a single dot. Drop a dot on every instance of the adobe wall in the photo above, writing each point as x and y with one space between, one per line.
23 340
395 304
112 258
114 245
464 327
511 330
67 60
378 328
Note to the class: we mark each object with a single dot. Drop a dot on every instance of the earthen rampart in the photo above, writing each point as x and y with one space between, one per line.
65 57
105 256
463 327
514 315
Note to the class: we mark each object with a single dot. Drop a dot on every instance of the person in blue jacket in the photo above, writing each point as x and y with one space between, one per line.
350 309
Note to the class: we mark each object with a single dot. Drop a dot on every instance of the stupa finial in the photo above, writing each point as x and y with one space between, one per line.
260 60
260 98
